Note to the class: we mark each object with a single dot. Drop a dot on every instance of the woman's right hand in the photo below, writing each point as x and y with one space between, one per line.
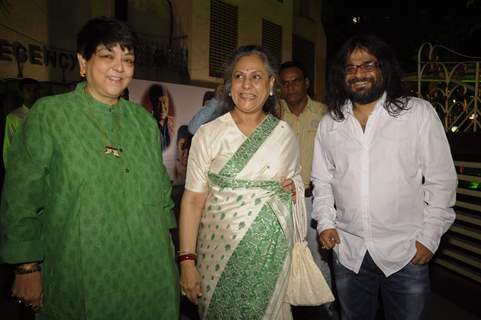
190 280
28 289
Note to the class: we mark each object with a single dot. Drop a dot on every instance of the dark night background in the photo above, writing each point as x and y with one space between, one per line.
406 24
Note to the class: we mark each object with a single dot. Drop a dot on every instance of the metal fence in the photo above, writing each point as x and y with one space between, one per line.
461 249
451 82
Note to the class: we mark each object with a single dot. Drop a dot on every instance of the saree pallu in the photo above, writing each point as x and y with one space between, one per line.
245 233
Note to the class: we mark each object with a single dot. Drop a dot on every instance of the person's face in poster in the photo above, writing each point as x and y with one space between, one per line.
163 104
160 103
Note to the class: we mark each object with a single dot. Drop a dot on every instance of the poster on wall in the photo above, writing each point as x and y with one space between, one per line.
173 105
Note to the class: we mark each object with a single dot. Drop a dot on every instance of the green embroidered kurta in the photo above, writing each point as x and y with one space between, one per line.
103 228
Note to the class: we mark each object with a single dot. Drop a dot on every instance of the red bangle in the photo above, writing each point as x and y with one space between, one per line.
187 256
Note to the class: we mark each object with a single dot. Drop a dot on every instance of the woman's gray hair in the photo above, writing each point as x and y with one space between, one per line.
270 106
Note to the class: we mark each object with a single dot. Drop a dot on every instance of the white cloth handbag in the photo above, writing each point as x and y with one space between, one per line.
306 284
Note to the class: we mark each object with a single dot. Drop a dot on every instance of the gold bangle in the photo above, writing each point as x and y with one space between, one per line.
180 252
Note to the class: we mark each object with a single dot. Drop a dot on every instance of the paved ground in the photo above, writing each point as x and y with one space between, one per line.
454 298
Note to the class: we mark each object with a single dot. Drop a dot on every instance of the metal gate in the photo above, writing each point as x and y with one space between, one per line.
451 82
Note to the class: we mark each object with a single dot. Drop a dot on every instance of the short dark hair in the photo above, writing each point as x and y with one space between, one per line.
270 64
27 81
106 31
293 64
208 95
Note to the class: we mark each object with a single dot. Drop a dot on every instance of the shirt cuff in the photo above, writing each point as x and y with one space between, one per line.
429 243
324 225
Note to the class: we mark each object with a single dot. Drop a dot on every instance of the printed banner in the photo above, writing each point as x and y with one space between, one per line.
173 105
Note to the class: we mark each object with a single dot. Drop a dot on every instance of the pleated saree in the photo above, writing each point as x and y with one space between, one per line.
245 233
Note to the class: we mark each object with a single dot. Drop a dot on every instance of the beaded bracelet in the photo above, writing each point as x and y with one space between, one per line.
187 256
35 268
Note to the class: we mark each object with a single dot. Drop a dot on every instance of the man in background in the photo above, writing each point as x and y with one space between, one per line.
211 109
29 88
303 115
208 95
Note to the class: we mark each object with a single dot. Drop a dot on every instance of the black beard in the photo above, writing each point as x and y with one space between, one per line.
367 96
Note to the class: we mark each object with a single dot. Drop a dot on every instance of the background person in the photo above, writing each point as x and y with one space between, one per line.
208 95
384 184
29 89
91 162
213 108
236 217
184 139
303 115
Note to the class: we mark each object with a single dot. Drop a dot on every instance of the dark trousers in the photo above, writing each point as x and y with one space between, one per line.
405 294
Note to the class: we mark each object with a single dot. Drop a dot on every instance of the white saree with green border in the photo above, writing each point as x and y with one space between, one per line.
245 233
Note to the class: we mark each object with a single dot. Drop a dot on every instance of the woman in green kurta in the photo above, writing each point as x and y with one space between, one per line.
87 199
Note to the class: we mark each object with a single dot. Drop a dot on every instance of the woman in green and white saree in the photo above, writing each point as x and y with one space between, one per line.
236 212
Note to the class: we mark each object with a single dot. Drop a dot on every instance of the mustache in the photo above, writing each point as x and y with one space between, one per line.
359 79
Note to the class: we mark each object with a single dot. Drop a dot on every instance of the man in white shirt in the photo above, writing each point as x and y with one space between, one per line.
384 184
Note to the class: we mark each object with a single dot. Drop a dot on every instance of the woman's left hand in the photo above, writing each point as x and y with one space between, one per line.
289 186
190 281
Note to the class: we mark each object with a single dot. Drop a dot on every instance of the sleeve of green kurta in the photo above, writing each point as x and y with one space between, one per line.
24 190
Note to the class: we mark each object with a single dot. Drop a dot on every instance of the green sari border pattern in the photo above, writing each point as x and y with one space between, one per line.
269 185
250 276
245 152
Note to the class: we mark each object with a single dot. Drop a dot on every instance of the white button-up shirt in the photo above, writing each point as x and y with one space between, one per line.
385 188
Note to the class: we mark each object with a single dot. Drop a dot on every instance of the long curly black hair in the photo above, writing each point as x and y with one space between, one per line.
397 94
